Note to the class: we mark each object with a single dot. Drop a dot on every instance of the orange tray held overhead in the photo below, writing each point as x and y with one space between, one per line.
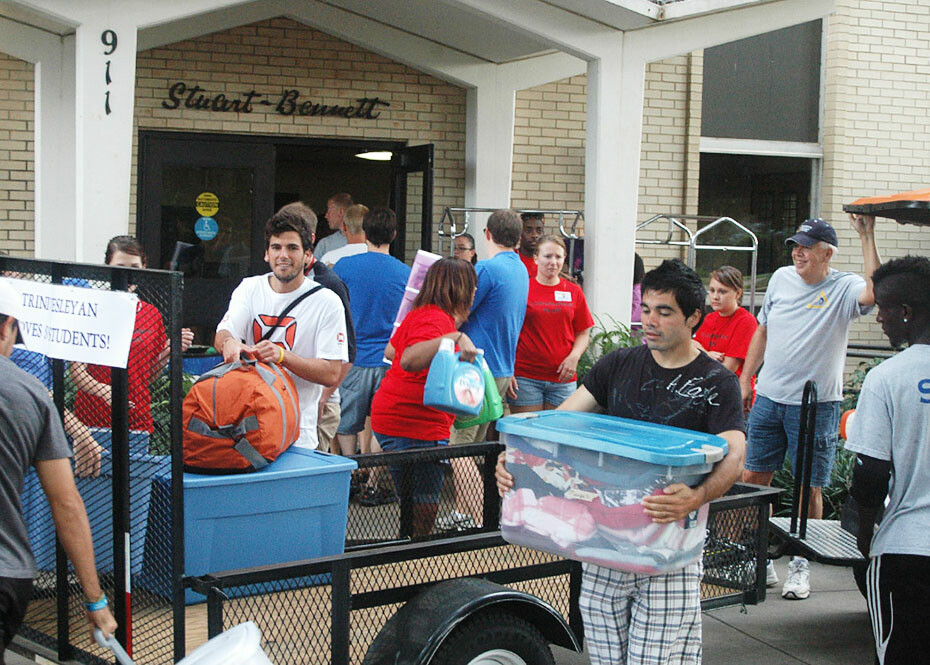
906 207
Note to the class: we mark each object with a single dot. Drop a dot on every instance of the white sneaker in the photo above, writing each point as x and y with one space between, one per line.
455 521
771 575
798 584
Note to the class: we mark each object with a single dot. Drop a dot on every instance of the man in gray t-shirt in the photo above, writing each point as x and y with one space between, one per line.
802 335
890 434
31 435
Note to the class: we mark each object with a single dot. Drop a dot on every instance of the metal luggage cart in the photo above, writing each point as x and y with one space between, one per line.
448 226
824 541
691 241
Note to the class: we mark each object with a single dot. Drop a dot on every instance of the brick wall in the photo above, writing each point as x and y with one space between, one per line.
272 55
876 139
549 140
17 147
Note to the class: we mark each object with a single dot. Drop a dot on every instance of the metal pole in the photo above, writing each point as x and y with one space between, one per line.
119 380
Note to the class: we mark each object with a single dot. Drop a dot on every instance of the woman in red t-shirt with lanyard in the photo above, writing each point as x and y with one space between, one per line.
726 332
399 419
554 335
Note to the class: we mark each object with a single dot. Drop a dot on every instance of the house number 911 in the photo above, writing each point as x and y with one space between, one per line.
109 39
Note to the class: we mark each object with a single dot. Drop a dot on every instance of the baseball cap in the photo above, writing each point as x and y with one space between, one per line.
813 231
9 305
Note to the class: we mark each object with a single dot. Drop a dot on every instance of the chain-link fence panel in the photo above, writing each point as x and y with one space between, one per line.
123 425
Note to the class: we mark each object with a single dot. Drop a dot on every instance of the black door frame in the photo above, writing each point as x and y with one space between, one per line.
407 160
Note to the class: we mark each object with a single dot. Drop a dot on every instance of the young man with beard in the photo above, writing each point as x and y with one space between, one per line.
310 342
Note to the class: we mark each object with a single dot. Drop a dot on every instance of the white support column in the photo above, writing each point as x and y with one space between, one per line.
488 151
55 196
105 93
612 155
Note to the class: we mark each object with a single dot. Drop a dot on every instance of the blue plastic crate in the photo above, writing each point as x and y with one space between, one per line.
294 509
97 494
200 363
579 482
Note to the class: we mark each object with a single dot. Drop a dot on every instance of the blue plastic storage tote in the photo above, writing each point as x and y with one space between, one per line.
97 494
579 482
295 508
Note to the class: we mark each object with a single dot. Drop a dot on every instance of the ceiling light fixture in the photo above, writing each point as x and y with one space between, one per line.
377 155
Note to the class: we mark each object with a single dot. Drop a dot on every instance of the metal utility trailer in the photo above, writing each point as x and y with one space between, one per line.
693 244
452 598
448 225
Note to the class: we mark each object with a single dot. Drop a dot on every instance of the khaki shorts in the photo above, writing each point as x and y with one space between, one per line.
329 422
480 432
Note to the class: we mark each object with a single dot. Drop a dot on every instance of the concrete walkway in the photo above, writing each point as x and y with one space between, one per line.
829 628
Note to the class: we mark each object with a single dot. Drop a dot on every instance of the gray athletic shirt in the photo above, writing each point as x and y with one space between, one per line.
892 423
30 432
807 329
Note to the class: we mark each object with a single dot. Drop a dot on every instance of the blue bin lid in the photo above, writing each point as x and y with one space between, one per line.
634 439
293 462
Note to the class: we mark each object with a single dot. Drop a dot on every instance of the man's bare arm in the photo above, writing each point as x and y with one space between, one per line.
753 362
865 227
679 499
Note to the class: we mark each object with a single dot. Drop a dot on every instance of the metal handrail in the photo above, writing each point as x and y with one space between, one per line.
673 223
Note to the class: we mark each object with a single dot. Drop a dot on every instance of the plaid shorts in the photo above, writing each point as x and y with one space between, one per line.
633 619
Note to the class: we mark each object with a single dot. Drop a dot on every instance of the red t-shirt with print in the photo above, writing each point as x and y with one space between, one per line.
554 317
397 408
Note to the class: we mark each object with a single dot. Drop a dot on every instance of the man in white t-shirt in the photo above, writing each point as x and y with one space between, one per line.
310 342
355 236
802 335
336 208
889 435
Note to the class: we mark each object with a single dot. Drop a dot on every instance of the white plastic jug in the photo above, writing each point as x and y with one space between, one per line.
241 645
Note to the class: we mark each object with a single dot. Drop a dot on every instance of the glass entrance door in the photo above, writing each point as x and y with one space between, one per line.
202 208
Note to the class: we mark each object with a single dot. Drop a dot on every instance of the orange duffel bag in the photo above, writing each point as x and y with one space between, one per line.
239 417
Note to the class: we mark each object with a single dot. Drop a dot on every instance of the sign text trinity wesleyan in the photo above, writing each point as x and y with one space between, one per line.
287 103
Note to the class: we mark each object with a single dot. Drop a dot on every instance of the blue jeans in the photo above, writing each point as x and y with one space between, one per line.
422 480
535 392
773 432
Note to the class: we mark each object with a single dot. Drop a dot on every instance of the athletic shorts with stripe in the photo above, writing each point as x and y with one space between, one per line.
899 607
633 619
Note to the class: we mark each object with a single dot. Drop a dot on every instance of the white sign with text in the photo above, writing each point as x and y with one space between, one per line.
75 323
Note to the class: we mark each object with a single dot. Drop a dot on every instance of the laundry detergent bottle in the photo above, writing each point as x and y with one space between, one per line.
452 385
493 406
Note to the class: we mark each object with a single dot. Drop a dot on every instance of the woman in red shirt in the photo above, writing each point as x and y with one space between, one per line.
726 332
148 355
554 335
399 418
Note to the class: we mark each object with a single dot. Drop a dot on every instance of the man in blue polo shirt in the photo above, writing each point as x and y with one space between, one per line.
494 326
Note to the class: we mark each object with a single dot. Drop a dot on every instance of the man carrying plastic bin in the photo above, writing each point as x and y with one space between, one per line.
633 618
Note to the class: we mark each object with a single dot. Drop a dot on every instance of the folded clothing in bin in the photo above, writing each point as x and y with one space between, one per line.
579 483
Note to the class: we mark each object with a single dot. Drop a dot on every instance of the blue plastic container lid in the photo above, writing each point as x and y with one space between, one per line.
293 462
634 439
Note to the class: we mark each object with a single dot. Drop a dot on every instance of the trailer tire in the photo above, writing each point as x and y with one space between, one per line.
494 638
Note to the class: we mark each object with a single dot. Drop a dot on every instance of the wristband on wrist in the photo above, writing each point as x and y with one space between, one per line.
96 605
280 355
459 337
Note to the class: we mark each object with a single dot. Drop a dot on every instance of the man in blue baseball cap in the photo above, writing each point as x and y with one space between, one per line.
802 335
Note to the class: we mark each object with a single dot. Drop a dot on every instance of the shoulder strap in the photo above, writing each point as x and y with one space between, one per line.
287 310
